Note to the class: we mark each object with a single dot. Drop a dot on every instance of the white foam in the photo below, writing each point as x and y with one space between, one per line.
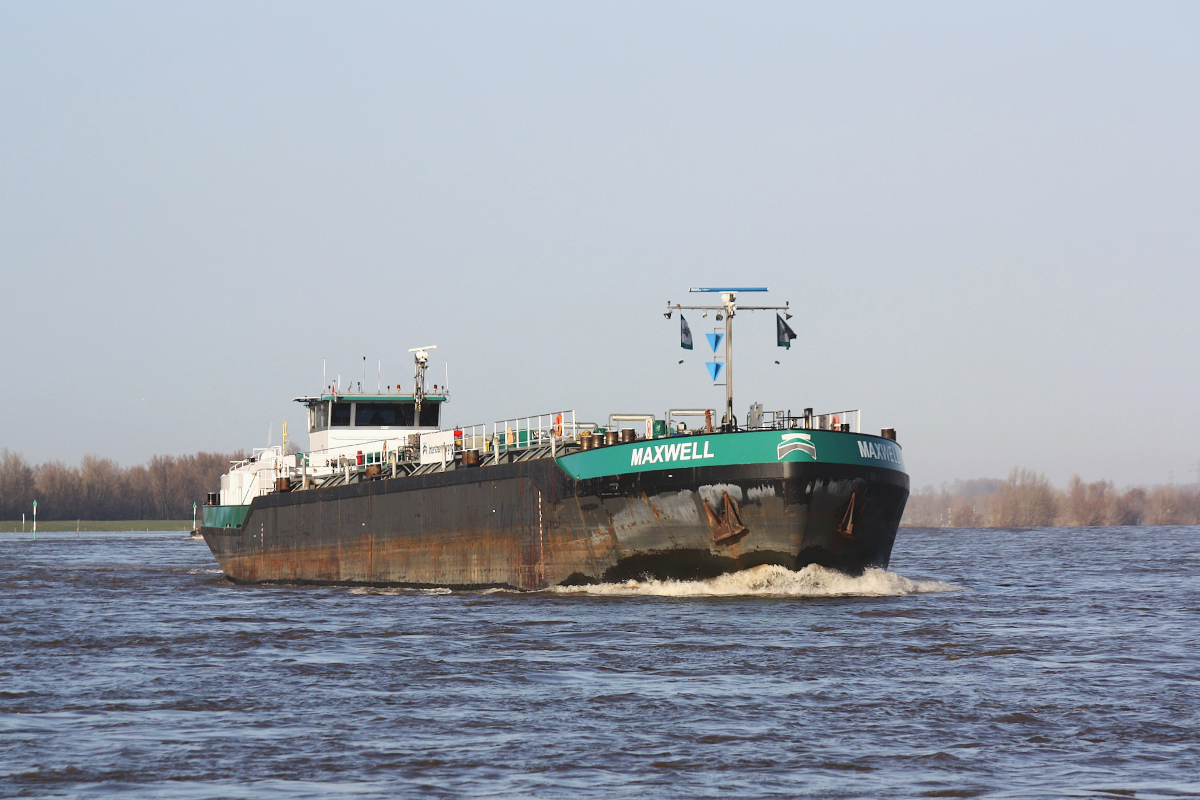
759 492
770 580
398 590
714 494
676 506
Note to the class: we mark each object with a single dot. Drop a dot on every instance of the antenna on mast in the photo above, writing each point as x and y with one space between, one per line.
421 357
726 311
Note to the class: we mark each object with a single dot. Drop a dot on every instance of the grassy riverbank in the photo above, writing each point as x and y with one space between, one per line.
61 525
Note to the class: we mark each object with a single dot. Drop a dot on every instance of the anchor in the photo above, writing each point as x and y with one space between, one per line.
729 524
846 527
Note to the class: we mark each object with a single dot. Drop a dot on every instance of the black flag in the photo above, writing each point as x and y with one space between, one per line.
685 334
786 334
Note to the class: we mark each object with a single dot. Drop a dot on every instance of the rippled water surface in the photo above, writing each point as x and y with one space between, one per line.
1035 663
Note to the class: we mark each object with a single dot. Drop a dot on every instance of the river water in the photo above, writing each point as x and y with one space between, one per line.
989 663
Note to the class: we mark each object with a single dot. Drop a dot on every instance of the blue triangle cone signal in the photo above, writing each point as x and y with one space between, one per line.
714 340
714 368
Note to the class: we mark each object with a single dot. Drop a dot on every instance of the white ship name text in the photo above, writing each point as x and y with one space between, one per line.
684 451
880 452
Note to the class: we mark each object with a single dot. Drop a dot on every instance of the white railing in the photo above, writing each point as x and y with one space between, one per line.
833 420
550 429
646 420
473 437
553 430
332 456
709 415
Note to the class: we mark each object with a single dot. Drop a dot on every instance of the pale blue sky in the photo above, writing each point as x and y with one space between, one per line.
985 215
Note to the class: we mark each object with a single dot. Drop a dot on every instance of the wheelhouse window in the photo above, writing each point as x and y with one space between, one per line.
406 414
389 415
380 415
318 417
429 414
340 416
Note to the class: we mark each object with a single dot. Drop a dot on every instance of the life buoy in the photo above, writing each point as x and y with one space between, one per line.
558 425
835 422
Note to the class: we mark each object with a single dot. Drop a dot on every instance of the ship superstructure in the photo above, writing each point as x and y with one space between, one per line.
346 430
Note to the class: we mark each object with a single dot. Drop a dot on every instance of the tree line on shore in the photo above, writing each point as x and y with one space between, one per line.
98 489
166 486
1027 499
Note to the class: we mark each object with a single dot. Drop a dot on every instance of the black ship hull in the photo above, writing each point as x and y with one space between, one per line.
531 525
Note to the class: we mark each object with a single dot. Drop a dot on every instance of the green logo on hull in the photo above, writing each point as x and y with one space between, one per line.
796 441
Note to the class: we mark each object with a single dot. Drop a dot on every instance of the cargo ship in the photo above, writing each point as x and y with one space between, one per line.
388 496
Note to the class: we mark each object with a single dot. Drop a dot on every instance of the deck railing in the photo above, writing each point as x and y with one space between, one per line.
554 428
471 437
831 421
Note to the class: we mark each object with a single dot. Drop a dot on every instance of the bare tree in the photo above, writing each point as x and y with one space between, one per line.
161 472
99 488
138 497
16 485
100 483
1088 503
1025 500
1170 505
963 504
1128 509
58 490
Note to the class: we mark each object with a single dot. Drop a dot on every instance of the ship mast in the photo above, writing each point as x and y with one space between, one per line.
421 357
728 308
